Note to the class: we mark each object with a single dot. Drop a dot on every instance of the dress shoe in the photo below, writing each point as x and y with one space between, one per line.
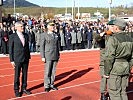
26 92
47 89
17 94
54 88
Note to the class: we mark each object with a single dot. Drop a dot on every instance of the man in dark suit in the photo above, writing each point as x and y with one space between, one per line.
68 38
49 49
19 57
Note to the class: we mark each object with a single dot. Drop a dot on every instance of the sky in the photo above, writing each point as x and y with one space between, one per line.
82 3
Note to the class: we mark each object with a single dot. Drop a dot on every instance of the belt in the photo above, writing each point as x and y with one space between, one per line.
120 60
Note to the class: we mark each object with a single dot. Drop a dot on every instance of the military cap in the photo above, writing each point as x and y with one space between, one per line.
51 23
110 22
118 22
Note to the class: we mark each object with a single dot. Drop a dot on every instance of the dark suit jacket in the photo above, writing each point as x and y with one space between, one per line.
49 47
18 52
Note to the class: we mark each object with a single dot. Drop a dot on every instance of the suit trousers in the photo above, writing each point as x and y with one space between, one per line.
49 74
21 67
89 44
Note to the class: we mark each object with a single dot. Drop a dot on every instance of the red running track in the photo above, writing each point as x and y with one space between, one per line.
77 78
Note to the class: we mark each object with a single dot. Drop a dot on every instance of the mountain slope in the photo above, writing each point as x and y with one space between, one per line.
18 3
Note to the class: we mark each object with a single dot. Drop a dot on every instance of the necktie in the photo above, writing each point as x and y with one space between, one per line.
52 34
22 39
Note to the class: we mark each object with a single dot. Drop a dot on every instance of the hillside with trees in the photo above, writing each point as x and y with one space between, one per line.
18 3
36 11
27 8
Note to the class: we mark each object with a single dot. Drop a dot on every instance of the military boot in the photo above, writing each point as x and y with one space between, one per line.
103 97
107 96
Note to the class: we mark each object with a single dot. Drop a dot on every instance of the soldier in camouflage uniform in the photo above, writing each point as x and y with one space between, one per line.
118 61
101 40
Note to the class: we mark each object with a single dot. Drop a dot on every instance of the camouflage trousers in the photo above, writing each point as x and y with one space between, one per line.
117 87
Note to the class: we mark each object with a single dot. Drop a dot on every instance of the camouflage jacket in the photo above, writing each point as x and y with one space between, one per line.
118 54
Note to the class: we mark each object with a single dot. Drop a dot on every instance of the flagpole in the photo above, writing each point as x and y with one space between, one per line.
78 10
110 2
14 9
1 3
66 7
72 9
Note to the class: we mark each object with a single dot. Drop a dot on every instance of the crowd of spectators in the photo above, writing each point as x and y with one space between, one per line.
72 34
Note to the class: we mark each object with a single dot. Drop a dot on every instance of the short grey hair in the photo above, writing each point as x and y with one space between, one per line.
18 23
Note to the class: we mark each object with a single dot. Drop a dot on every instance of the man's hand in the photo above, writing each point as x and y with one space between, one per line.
105 76
13 65
43 59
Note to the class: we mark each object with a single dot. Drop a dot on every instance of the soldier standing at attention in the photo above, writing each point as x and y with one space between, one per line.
118 60
49 49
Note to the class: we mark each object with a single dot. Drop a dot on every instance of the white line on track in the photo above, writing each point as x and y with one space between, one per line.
35 94
58 90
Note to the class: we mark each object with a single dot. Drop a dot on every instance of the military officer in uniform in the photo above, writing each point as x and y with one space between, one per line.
49 49
118 60
101 41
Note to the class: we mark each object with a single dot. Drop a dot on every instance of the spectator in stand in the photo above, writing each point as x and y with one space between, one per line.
89 37
68 38
32 40
12 29
29 22
5 38
62 40
37 39
73 39
1 38
84 38
79 38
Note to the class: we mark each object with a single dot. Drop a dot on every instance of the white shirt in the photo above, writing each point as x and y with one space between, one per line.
21 36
